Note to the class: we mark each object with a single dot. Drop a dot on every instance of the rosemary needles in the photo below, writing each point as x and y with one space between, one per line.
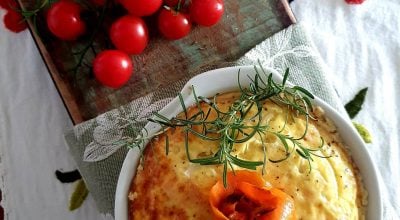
230 127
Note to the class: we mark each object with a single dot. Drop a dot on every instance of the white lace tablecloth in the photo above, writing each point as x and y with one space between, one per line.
360 44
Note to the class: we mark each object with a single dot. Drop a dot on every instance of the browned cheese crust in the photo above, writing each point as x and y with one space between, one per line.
170 187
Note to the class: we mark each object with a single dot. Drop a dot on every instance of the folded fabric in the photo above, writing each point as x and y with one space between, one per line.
96 144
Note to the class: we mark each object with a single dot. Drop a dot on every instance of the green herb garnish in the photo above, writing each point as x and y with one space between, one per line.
363 131
354 106
232 126
78 196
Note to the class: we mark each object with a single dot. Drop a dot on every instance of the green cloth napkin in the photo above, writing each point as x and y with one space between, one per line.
94 144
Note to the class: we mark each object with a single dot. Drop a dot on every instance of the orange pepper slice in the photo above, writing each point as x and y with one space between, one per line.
247 197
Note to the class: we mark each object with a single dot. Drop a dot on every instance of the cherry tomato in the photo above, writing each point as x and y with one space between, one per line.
8 4
206 12
14 21
141 7
173 25
173 3
98 2
112 68
129 34
64 20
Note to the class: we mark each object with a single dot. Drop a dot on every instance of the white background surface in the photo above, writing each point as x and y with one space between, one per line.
360 44
32 122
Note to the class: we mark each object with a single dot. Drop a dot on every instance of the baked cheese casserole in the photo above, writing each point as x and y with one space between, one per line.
327 186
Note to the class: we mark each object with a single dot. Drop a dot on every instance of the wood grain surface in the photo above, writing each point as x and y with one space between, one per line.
245 24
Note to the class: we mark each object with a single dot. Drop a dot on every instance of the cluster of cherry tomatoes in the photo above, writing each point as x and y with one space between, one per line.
129 33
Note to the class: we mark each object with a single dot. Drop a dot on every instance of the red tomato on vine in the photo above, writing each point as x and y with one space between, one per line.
14 21
206 12
141 8
129 34
112 68
173 25
64 20
173 3
98 2
355 2
8 4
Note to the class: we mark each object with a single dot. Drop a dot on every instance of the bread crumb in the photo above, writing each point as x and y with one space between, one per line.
132 196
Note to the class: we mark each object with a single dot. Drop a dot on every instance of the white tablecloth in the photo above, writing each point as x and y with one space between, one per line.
359 43
32 123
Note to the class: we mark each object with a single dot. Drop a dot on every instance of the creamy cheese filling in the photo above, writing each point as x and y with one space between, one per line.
331 190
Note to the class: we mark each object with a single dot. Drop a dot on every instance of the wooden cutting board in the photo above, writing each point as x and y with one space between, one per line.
245 24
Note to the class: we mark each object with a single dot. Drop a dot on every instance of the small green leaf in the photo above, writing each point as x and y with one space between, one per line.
285 76
304 91
166 145
284 142
224 174
363 131
183 105
156 114
78 196
354 106
251 165
302 154
308 102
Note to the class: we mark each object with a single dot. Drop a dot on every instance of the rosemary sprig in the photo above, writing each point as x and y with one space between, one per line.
232 126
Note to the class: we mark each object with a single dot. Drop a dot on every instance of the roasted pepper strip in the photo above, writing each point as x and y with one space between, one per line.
248 197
